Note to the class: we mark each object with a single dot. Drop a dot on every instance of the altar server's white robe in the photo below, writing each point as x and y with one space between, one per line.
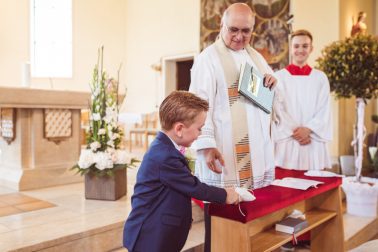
302 101
208 81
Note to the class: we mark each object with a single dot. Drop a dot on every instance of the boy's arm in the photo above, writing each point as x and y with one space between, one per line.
178 177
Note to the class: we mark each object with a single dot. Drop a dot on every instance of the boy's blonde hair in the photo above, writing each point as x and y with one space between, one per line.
301 33
180 106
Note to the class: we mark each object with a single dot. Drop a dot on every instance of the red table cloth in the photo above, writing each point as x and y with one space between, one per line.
272 198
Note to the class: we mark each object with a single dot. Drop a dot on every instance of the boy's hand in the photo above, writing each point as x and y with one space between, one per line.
302 135
232 196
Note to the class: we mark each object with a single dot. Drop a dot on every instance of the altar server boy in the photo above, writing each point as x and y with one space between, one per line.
302 127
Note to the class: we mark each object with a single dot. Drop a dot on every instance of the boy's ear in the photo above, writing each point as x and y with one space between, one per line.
177 127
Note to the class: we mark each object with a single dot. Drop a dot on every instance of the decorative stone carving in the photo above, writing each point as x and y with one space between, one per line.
8 124
58 124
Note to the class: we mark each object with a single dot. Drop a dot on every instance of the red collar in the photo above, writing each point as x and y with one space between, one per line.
296 70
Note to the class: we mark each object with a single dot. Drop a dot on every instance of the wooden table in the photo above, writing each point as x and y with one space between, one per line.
231 231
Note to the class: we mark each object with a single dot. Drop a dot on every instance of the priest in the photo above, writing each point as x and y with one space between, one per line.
302 126
235 147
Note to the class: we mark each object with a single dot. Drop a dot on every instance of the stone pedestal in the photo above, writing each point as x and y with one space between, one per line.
38 157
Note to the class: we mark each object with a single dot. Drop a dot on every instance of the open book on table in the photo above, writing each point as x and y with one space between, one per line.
296 183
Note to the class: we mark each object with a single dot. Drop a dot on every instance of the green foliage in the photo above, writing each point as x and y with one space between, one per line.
352 66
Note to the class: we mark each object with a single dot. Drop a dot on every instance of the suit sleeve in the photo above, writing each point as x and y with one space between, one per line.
178 177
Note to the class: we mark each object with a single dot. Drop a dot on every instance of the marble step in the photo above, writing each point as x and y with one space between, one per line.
105 237
195 240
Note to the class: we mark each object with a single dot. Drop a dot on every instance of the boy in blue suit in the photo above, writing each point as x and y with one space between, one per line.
161 214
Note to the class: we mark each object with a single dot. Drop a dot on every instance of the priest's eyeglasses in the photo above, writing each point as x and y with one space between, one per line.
234 31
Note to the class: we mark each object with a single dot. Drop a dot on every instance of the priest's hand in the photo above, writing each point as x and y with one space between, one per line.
232 196
211 155
302 135
269 81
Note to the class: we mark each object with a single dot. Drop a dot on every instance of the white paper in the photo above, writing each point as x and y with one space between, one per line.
296 183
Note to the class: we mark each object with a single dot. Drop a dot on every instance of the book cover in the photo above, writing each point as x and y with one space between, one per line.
291 225
251 86
296 183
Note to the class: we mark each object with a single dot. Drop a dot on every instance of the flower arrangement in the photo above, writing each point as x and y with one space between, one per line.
103 155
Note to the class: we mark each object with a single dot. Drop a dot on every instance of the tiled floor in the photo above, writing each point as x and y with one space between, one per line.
14 203
63 213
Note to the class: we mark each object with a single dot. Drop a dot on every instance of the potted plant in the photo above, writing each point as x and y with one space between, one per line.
352 69
103 162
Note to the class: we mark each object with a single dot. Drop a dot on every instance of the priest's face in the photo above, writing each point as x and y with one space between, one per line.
237 28
301 47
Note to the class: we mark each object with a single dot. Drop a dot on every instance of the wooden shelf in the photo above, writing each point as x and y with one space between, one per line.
271 239
323 213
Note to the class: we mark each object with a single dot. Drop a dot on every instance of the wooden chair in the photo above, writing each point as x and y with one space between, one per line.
142 132
152 128
84 126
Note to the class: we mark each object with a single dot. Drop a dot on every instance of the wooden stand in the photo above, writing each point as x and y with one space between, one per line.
106 187
323 213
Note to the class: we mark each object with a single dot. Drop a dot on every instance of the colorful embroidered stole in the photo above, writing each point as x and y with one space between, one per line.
243 162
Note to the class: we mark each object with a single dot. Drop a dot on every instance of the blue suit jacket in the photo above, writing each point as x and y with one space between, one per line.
161 213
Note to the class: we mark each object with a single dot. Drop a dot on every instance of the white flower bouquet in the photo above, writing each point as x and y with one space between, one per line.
103 154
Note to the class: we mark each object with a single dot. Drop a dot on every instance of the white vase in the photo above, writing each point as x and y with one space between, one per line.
361 197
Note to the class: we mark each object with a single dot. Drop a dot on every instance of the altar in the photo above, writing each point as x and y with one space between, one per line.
250 226
39 136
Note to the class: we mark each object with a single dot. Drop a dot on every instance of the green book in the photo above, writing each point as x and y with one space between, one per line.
251 86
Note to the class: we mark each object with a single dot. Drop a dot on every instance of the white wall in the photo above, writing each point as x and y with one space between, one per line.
155 30
95 23
321 18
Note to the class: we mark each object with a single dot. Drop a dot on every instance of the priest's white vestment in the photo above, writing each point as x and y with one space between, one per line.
302 100
209 82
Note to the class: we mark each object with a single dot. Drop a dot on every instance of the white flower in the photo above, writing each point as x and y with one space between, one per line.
86 159
103 160
110 150
122 157
96 92
101 132
96 116
110 114
110 143
95 145
115 136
